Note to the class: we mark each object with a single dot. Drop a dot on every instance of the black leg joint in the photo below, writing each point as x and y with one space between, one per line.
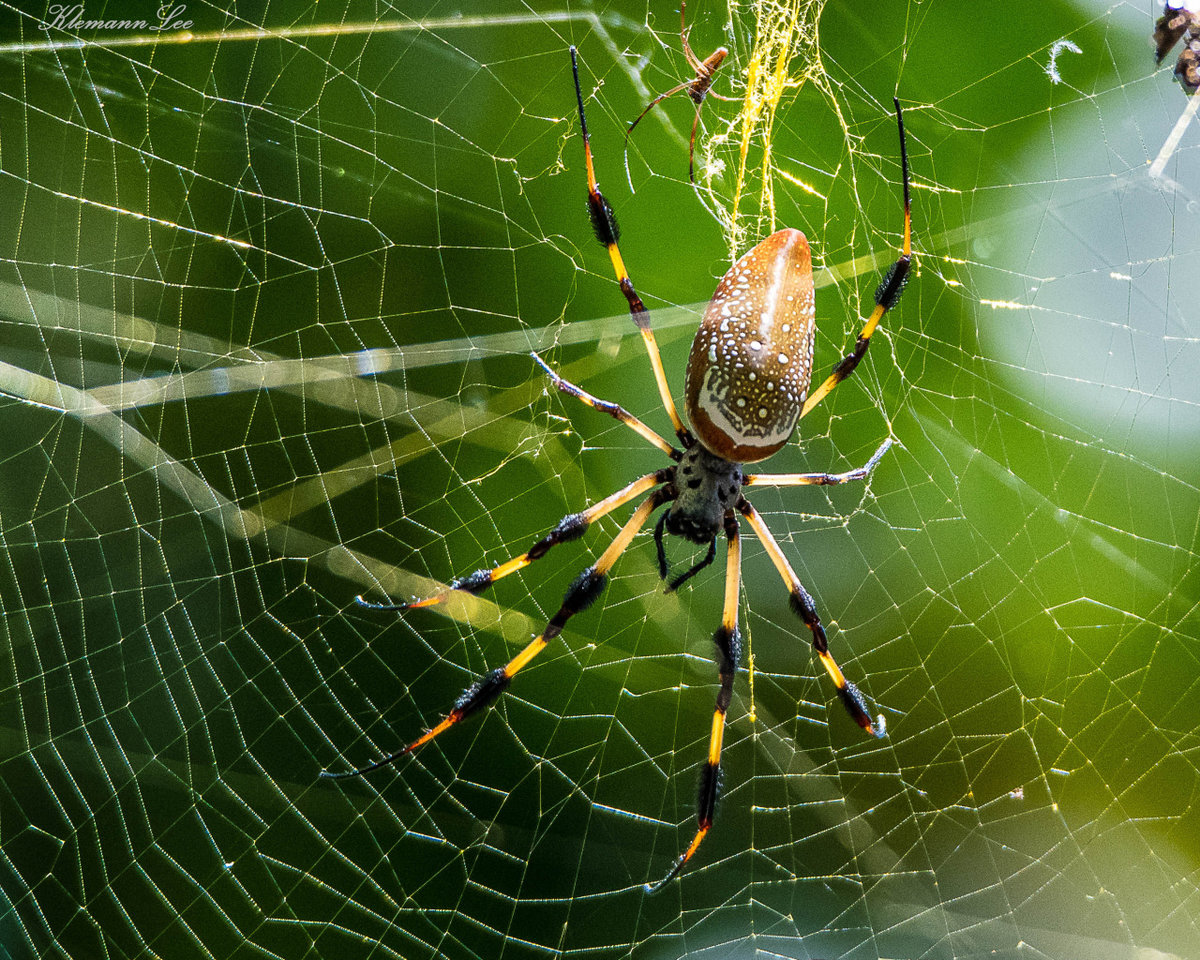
802 605
581 595
855 702
731 523
710 787
482 692
892 286
637 309
474 583
729 650
569 528
847 364
604 220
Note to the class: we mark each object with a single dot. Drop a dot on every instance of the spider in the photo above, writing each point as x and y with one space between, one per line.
1176 23
746 382
697 88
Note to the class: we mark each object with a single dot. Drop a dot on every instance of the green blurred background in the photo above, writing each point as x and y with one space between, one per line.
266 304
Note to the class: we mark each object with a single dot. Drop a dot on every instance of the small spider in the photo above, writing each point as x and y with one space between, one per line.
747 379
1178 22
697 88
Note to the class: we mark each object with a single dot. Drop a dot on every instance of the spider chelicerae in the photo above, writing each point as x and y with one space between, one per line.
746 387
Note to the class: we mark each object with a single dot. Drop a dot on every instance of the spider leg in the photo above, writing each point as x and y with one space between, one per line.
570 527
614 410
654 103
729 642
664 567
886 295
817 479
662 550
803 606
692 59
692 144
604 224
683 578
580 595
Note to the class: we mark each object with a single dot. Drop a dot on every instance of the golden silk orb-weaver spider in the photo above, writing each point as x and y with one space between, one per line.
699 87
746 386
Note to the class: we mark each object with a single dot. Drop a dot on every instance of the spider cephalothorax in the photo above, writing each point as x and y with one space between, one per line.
706 488
746 387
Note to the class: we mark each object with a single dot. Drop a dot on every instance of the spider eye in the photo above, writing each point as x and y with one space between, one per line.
749 368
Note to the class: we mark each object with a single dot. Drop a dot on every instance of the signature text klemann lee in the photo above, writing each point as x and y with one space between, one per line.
60 16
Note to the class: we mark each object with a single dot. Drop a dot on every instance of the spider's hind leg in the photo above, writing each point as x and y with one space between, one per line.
803 606
581 595
729 642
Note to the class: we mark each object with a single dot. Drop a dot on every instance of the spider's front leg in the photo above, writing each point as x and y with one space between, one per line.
581 595
604 225
886 294
729 644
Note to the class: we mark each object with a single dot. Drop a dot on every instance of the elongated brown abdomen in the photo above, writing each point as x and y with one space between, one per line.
750 364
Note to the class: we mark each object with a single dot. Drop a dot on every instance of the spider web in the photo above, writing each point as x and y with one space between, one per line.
268 293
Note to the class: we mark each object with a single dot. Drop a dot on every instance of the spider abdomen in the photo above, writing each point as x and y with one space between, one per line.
749 367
